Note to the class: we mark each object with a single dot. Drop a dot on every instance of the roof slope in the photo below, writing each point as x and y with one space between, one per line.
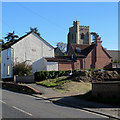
85 49
12 43
115 54
106 53
59 59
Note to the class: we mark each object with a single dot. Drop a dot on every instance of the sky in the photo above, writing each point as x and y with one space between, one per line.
53 19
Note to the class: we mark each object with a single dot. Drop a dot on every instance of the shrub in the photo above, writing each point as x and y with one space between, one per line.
43 75
22 69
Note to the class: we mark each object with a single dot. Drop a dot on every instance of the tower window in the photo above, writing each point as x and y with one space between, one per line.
82 36
72 36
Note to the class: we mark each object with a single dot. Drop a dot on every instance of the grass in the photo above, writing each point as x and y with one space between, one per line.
53 82
74 87
66 86
107 100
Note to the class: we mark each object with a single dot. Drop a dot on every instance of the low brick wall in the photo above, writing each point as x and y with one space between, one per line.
106 89
24 79
19 88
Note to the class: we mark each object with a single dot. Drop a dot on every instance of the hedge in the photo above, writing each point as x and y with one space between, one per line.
43 75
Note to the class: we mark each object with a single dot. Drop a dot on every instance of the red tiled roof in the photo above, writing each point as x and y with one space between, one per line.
57 59
85 49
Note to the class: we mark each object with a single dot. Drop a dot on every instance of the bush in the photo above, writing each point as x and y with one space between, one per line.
43 75
116 61
22 69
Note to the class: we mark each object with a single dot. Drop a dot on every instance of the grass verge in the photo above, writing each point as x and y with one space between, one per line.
53 82
107 100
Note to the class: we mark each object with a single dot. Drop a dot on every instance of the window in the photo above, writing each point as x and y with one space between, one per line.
82 36
78 50
8 70
72 36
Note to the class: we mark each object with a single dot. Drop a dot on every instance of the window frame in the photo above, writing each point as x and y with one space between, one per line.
8 70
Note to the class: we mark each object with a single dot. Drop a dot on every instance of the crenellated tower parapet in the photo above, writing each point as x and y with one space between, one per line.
84 27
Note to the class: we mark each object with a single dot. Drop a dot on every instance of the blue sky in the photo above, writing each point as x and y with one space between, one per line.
53 19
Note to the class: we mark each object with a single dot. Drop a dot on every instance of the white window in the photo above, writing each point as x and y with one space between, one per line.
8 70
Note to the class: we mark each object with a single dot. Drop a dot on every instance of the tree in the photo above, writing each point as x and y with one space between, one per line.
11 37
35 30
61 46
1 40
94 34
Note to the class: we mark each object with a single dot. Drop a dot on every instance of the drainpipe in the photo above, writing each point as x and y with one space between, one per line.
72 62
84 63
13 56
14 77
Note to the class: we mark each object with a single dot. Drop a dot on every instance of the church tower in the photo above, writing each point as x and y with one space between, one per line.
79 34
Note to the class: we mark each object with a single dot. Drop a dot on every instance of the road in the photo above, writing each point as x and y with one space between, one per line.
16 105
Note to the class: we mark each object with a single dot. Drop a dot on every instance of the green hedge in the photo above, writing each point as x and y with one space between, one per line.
43 75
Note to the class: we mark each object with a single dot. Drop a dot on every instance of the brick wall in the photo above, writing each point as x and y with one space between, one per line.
87 64
69 65
76 65
65 66
102 60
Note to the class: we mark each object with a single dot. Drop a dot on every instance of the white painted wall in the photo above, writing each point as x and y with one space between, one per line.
6 60
43 65
52 66
31 49
40 65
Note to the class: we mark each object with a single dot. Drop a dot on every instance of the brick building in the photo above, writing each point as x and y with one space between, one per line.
90 56
84 56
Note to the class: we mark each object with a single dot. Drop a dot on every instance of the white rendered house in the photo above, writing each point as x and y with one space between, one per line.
29 48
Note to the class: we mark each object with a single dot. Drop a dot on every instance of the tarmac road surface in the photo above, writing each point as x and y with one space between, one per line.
16 105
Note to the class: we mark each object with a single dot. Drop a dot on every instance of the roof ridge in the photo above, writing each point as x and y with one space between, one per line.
25 36
44 40
114 50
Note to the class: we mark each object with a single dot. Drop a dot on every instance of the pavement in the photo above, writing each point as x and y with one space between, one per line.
110 111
